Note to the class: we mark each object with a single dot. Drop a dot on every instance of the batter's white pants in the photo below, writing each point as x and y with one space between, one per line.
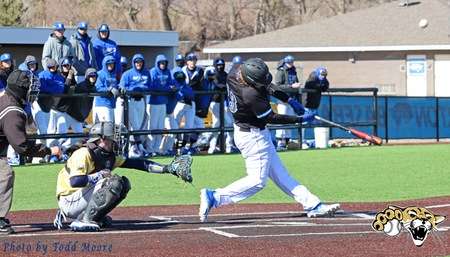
284 108
41 120
102 113
59 123
169 139
262 162
157 115
119 111
228 119
74 204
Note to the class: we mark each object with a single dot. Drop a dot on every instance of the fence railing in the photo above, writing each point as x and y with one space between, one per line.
221 129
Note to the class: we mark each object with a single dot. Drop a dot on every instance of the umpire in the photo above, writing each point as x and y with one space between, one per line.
22 88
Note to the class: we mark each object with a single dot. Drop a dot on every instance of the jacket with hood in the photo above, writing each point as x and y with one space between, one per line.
176 94
56 49
202 102
312 100
106 80
161 81
24 66
134 80
194 77
80 107
106 47
221 82
185 92
4 73
84 56
62 104
51 83
285 77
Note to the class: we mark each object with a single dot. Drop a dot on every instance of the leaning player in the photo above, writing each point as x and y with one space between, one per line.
87 190
249 87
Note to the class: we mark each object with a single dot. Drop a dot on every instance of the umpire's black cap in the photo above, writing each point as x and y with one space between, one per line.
255 72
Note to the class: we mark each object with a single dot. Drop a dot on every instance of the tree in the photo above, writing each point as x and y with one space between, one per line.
129 9
10 12
163 9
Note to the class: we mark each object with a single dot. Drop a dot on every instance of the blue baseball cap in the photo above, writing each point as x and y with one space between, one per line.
66 61
237 60
219 61
59 26
83 25
5 57
191 57
210 71
179 57
288 59
103 28
123 60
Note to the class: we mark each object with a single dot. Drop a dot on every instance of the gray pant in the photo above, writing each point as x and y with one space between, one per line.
73 205
6 187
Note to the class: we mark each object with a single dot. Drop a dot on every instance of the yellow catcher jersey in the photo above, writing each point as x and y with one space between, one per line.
80 163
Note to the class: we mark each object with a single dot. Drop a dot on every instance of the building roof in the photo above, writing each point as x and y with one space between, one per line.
387 27
38 36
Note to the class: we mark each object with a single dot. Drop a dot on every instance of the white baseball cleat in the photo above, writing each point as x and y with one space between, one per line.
206 203
323 210
84 226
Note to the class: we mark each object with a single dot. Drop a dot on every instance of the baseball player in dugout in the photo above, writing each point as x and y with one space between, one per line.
249 88
22 88
87 190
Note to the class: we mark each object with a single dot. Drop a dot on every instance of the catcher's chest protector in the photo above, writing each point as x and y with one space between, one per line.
102 160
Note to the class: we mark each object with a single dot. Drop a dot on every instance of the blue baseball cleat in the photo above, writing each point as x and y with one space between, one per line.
323 210
207 201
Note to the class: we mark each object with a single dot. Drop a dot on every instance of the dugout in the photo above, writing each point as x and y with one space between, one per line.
21 42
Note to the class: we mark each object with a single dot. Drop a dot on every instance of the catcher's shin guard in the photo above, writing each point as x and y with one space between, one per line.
112 192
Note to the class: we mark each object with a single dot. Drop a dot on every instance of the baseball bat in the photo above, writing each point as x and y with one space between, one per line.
370 138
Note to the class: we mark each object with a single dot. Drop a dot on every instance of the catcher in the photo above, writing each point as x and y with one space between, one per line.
87 190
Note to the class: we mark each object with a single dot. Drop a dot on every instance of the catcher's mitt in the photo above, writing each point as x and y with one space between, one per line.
181 167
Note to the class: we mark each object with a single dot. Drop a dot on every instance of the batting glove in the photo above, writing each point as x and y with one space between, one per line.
307 117
298 107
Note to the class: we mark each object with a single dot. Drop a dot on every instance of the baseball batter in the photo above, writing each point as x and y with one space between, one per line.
249 89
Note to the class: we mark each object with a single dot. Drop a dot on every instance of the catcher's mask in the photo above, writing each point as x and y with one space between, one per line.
24 85
118 133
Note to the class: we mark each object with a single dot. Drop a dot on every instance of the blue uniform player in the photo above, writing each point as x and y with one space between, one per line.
156 109
135 80
103 109
103 46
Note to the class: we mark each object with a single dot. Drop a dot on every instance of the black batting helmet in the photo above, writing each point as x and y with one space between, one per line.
256 73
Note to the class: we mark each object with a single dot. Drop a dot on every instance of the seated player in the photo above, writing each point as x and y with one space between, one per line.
87 190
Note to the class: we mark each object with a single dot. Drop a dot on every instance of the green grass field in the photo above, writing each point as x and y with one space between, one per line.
346 175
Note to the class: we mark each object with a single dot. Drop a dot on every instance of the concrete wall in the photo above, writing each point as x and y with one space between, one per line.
385 70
